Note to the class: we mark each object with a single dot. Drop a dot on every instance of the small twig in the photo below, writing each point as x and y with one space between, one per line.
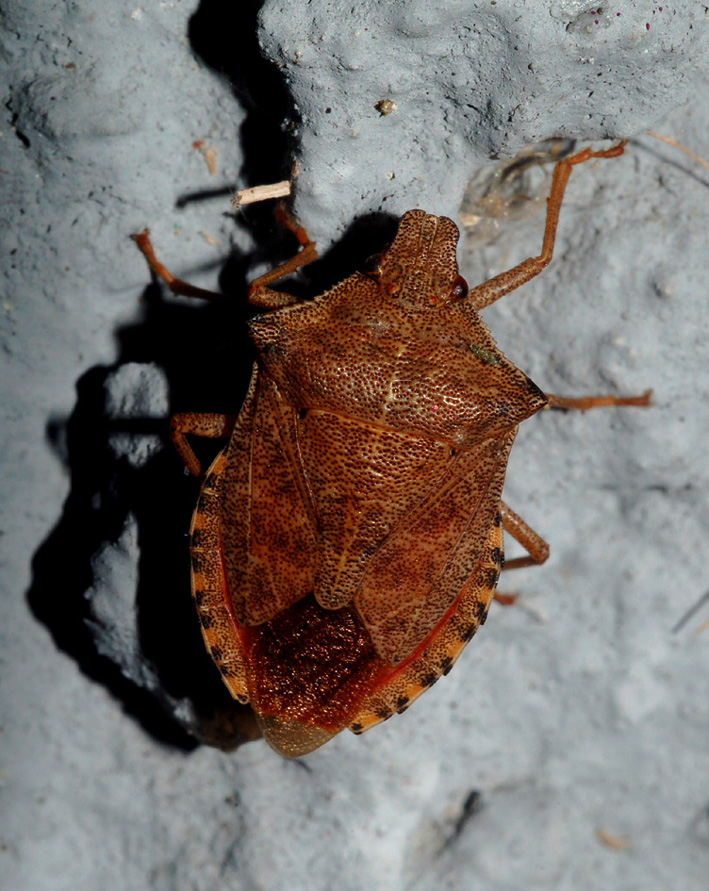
612 841
680 147
261 193
691 612
208 153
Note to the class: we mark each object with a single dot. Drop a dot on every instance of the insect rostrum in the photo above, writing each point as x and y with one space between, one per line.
348 540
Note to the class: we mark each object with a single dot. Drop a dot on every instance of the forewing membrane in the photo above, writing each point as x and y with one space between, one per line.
267 528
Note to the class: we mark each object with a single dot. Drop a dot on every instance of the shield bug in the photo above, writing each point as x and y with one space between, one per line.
348 540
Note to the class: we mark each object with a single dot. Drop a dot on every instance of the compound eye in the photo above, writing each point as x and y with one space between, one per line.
372 266
459 288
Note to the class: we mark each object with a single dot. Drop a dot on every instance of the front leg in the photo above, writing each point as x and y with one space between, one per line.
259 293
490 291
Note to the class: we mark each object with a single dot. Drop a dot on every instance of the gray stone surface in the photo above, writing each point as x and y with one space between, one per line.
470 80
580 709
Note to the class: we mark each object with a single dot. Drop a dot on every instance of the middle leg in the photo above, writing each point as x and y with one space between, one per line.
537 549
210 426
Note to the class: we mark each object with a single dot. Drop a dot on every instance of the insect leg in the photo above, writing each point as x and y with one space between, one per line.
533 543
212 426
583 403
259 293
490 291
176 285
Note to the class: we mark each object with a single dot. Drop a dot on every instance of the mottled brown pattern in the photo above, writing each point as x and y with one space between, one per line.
437 653
269 537
364 481
347 543
436 550
359 494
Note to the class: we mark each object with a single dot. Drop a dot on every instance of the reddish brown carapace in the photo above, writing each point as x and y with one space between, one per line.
348 541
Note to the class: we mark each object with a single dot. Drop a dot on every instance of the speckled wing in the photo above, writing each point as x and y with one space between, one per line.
419 570
268 537
362 479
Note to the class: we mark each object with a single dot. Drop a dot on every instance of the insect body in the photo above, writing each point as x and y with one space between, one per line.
348 541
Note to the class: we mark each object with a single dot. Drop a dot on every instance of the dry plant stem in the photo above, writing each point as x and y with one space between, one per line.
261 193
488 292
210 426
677 145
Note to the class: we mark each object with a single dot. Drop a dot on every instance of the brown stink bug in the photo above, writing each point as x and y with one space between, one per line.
347 542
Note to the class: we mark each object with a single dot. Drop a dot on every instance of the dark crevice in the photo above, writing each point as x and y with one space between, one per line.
234 53
470 808
15 129
203 352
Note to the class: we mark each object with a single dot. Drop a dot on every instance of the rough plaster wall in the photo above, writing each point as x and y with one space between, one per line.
471 80
579 709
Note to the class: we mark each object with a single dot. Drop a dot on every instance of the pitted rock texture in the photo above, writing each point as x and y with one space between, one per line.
471 79
580 709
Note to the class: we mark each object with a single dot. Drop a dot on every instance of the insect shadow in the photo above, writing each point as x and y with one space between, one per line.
137 634
148 652
157 666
